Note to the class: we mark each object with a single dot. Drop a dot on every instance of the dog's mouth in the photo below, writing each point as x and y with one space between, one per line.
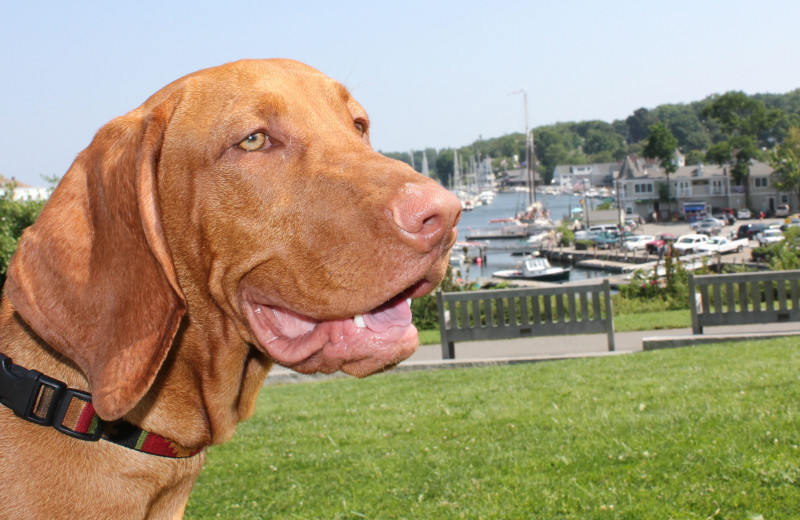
360 345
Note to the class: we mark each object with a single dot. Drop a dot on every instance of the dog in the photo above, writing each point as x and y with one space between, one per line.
237 219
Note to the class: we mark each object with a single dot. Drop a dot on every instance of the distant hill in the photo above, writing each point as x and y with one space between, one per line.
589 142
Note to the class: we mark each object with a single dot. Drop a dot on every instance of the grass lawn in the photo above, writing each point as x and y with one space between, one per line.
704 432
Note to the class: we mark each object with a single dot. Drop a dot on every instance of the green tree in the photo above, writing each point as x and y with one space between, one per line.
661 144
604 145
638 123
746 124
684 123
444 166
15 216
785 162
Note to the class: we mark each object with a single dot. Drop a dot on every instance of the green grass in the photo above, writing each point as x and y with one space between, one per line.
653 320
705 432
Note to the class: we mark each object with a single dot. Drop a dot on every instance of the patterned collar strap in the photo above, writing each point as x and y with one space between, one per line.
48 402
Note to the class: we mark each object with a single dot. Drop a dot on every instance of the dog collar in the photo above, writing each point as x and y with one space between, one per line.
43 400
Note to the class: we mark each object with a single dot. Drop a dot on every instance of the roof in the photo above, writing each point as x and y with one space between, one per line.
586 169
5 181
635 168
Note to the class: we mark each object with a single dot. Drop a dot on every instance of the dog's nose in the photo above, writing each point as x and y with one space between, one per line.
426 215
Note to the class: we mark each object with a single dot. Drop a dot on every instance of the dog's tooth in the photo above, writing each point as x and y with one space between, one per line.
408 301
359 321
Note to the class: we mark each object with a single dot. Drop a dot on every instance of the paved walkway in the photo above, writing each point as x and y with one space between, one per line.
482 353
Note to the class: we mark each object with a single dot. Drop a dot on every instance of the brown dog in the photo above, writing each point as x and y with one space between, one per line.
238 218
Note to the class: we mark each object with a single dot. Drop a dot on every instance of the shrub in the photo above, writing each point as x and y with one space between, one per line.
567 235
15 216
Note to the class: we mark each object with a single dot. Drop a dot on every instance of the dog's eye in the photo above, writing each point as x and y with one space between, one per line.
254 142
361 127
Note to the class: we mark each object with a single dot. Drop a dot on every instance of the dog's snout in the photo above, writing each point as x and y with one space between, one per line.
426 215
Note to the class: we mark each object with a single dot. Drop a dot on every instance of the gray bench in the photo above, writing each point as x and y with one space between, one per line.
739 299
517 313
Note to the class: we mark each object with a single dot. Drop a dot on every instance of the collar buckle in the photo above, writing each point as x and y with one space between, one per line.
29 393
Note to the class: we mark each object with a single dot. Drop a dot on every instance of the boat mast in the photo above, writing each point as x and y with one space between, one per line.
528 148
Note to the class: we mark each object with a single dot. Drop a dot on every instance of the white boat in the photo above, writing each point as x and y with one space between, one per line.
487 197
535 268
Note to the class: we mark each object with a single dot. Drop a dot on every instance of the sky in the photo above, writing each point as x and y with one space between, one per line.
431 74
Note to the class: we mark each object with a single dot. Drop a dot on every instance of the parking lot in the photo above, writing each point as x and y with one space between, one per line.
683 228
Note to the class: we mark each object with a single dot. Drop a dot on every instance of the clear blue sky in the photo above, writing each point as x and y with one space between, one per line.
430 73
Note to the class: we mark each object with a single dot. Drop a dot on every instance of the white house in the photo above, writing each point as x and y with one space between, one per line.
23 191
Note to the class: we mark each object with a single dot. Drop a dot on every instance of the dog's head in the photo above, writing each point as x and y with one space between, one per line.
248 191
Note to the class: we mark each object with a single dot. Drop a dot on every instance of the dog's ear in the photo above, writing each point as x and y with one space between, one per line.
93 277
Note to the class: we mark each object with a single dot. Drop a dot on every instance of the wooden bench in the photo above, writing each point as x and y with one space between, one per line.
739 299
518 313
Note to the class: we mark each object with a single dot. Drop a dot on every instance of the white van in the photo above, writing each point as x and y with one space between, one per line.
604 228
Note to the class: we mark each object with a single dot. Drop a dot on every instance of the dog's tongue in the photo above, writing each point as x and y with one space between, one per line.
392 314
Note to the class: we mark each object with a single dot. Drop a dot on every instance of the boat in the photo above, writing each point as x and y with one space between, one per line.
536 268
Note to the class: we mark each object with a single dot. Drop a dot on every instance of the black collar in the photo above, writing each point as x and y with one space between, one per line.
43 400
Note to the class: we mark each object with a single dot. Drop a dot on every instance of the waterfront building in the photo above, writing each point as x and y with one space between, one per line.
694 190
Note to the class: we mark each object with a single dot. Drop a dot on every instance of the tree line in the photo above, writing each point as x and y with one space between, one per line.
731 128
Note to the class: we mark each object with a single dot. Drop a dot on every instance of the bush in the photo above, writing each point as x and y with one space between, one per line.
15 216
648 292
424 310
567 235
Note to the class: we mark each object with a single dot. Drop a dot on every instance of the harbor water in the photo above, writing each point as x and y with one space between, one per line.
507 205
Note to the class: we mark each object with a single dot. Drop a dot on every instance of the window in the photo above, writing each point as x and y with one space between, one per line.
761 182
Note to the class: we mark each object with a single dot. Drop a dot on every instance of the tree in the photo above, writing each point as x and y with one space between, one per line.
746 124
661 144
638 124
685 125
15 216
785 162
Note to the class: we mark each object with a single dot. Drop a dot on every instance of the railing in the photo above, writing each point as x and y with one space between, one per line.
517 313
739 299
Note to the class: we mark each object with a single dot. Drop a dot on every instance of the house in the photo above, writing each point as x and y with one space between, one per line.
517 178
577 177
694 190
23 191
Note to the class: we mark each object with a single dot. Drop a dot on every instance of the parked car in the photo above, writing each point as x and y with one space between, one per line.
636 242
708 220
721 245
783 210
606 240
743 213
631 223
791 219
708 228
750 230
687 243
770 236
660 241
792 222
727 218
604 228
